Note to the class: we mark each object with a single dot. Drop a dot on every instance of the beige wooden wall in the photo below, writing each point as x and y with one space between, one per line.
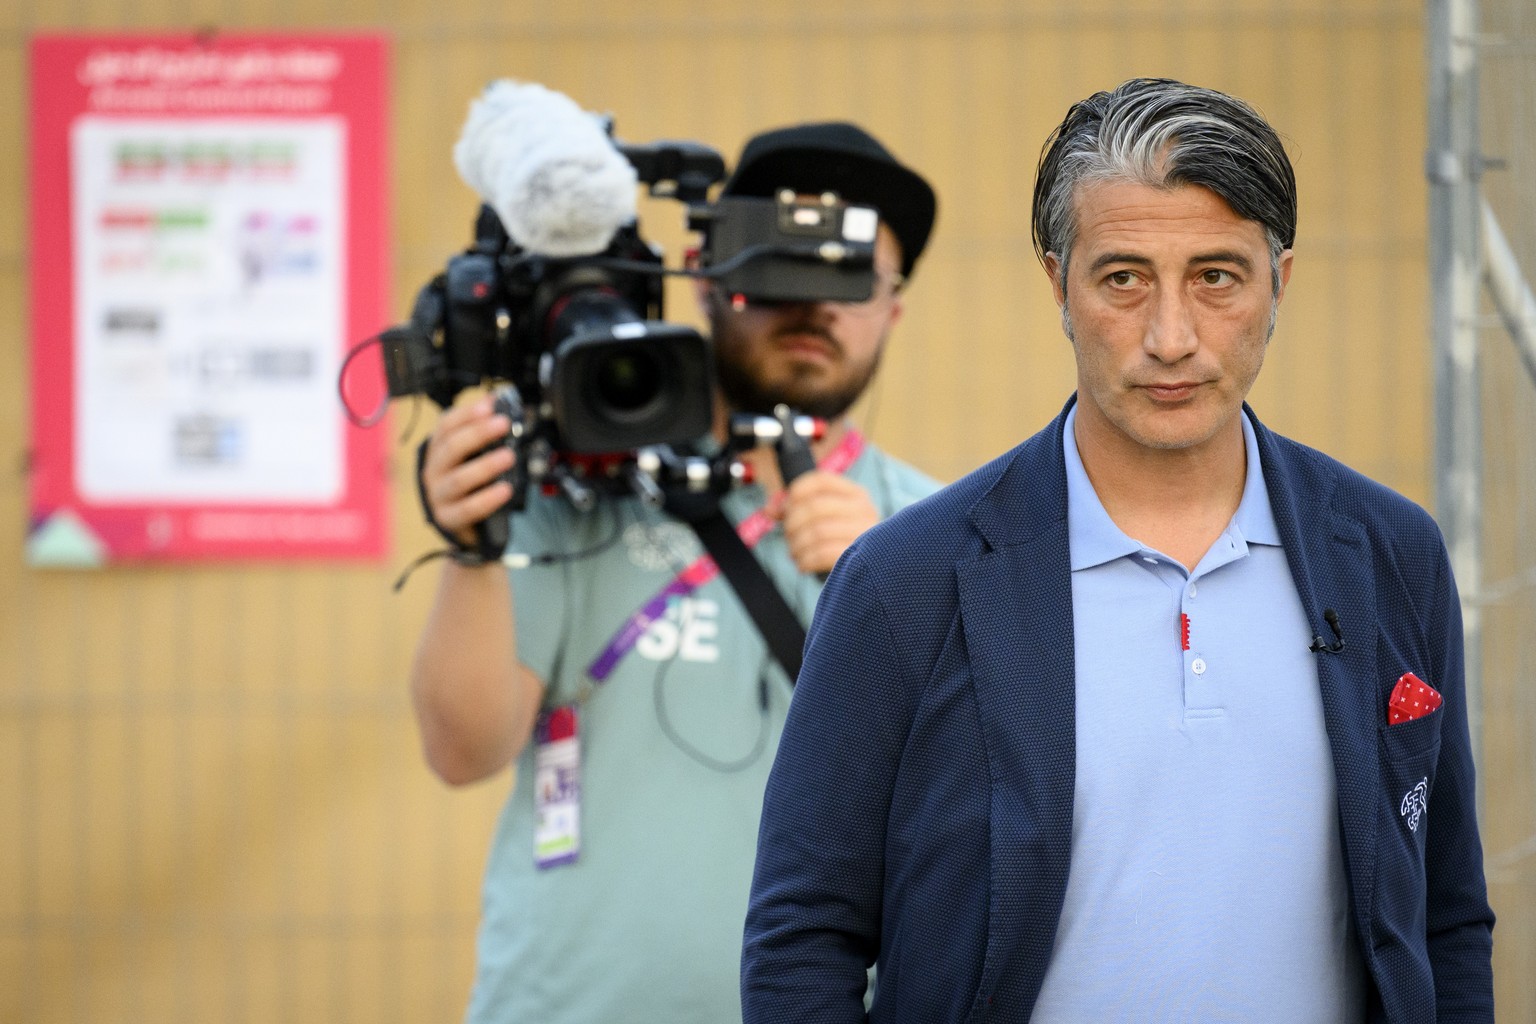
211 802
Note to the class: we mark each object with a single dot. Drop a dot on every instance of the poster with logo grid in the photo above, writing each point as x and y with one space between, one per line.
208 242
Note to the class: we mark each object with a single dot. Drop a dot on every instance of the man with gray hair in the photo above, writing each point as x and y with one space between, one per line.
1160 716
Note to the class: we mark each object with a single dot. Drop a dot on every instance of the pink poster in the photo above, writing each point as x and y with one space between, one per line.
208 241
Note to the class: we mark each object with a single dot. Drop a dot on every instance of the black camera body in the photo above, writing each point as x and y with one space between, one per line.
598 373
583 343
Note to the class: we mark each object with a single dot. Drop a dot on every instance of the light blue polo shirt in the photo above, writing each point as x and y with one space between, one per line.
1207 875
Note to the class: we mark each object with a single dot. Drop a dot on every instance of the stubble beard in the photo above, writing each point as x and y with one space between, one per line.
744 385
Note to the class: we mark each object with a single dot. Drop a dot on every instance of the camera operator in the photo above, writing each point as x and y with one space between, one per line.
617 882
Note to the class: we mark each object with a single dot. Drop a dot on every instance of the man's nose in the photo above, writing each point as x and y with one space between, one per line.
1171 330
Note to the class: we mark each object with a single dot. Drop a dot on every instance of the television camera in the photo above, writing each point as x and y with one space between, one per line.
557 304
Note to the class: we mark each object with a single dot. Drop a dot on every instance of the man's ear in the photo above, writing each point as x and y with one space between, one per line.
1053 271
1285 273
897 309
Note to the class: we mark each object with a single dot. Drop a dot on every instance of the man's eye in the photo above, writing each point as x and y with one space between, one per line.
1216 277
1122 279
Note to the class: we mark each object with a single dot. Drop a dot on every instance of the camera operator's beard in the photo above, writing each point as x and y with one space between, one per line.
750 385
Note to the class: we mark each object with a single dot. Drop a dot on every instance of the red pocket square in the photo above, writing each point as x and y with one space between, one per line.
1412 698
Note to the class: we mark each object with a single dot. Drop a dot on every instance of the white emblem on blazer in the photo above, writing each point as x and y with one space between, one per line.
1416 804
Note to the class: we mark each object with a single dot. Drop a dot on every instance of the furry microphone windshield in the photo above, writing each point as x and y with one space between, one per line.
547 168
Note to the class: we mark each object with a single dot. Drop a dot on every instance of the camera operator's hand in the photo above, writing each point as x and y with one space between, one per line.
460 485
823 513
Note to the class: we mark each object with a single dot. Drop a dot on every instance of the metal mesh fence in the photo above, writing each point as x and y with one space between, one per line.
1506 596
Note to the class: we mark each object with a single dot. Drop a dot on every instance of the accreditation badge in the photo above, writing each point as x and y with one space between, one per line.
557 788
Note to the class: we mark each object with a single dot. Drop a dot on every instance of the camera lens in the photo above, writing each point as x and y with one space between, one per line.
627 382
631 385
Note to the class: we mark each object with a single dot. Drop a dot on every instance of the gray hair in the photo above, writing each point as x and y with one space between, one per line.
1162 133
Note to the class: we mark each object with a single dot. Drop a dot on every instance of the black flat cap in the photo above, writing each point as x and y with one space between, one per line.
835 156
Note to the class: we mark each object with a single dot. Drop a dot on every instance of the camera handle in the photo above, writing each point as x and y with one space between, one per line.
493 533
794 452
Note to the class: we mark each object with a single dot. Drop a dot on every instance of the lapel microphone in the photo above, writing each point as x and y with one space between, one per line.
1318 645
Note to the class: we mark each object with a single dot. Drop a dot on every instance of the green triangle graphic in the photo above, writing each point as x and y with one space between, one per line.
64 541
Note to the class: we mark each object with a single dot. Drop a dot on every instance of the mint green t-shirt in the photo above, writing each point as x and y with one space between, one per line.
676 745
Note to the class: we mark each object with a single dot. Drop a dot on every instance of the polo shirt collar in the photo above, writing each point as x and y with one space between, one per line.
1093 537
1254 516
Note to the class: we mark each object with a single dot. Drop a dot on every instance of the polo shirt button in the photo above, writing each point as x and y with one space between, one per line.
1192 590
1198 666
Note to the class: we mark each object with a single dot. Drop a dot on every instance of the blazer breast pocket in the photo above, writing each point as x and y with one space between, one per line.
1405 814
1412 742
1409 754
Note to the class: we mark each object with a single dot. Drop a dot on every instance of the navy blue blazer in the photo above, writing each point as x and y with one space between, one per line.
919 811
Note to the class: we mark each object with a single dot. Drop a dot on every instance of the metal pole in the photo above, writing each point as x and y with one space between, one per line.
1454 166
1507 286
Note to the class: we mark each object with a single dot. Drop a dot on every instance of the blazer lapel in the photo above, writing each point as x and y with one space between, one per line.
1331 564
1016 618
